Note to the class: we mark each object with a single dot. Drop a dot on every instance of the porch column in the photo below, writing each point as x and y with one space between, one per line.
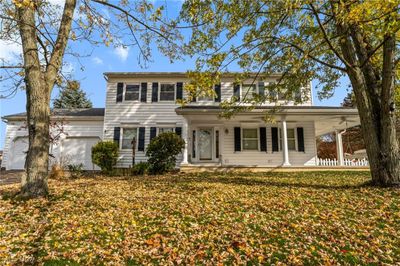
285 149
339 147
185 128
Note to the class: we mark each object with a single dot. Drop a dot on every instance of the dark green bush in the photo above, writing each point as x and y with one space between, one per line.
140 168
105 155
162 152
75 170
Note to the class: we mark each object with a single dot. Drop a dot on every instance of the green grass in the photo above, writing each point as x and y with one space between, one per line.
293 218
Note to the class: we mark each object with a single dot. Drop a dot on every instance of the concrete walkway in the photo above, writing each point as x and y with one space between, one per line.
10 177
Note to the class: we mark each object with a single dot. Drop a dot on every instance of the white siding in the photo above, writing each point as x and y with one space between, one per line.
137 114
263 159
155 114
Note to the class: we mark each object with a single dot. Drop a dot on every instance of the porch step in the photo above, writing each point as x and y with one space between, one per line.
194 168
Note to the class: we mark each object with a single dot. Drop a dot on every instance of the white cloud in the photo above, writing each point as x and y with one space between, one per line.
122 52
97 60
10 51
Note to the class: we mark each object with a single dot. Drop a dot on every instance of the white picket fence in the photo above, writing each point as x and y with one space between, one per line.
346 162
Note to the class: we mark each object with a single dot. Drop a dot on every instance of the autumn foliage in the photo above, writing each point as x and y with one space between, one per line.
308 218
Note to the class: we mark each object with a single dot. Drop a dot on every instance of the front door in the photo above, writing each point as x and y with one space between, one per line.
205 143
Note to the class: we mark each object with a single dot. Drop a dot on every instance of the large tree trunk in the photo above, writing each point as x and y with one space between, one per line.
373 86
374 91
34 181
39 81
381 144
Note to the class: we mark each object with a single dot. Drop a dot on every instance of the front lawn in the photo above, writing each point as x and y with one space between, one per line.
293 218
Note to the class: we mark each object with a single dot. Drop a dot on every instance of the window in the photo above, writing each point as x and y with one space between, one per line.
165 129
167 92
250 139
291 138
132 92
248 90
205 98
129 137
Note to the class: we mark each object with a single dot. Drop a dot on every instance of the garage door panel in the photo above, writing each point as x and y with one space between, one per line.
18 154
79 150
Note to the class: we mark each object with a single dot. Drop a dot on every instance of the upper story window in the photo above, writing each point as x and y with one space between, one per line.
291 139
132 92
129 138
165 129
250 139
248 90
167 92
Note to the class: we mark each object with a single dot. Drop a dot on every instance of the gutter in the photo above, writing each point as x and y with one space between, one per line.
302 111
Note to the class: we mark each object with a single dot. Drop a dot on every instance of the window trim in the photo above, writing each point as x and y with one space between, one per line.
159 91
121 138
124 91
242 139
242 95
158 129
280 139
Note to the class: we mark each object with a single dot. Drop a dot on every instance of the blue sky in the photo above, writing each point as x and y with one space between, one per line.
109 59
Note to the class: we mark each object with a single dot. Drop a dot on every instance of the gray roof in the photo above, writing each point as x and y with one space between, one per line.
65 112
214 107
176 74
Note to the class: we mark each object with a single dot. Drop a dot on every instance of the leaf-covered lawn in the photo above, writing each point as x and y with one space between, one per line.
291 218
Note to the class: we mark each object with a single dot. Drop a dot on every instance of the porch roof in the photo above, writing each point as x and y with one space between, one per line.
326 118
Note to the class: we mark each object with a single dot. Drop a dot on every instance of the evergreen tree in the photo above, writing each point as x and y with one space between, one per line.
71 97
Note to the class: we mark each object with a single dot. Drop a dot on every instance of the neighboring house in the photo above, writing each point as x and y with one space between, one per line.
141 105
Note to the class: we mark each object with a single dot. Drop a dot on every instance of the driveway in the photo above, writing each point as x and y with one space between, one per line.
10 177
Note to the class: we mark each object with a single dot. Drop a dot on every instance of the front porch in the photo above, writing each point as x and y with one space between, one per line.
247 142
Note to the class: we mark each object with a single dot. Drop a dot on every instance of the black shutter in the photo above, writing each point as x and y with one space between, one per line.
153 132
178 131
117 133
143 92
300 139
179 90
238 146
141 139
263 139
154 92
274 134
217 89
236 91
261 88
120 91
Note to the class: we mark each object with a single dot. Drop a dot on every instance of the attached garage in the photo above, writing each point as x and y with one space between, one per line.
80 130
77 150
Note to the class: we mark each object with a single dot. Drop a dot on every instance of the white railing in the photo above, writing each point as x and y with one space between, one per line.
346 162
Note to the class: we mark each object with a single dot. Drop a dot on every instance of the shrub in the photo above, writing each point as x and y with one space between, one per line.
162 152
75 170
56 172
140 168
105 155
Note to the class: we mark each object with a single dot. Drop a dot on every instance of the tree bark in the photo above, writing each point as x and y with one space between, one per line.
374 93
34 181
39 84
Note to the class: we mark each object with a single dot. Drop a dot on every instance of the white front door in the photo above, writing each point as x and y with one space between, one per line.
205 143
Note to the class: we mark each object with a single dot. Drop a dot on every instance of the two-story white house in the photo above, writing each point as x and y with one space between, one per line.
141 105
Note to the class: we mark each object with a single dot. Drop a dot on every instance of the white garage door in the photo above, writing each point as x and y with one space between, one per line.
79 150
18 154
